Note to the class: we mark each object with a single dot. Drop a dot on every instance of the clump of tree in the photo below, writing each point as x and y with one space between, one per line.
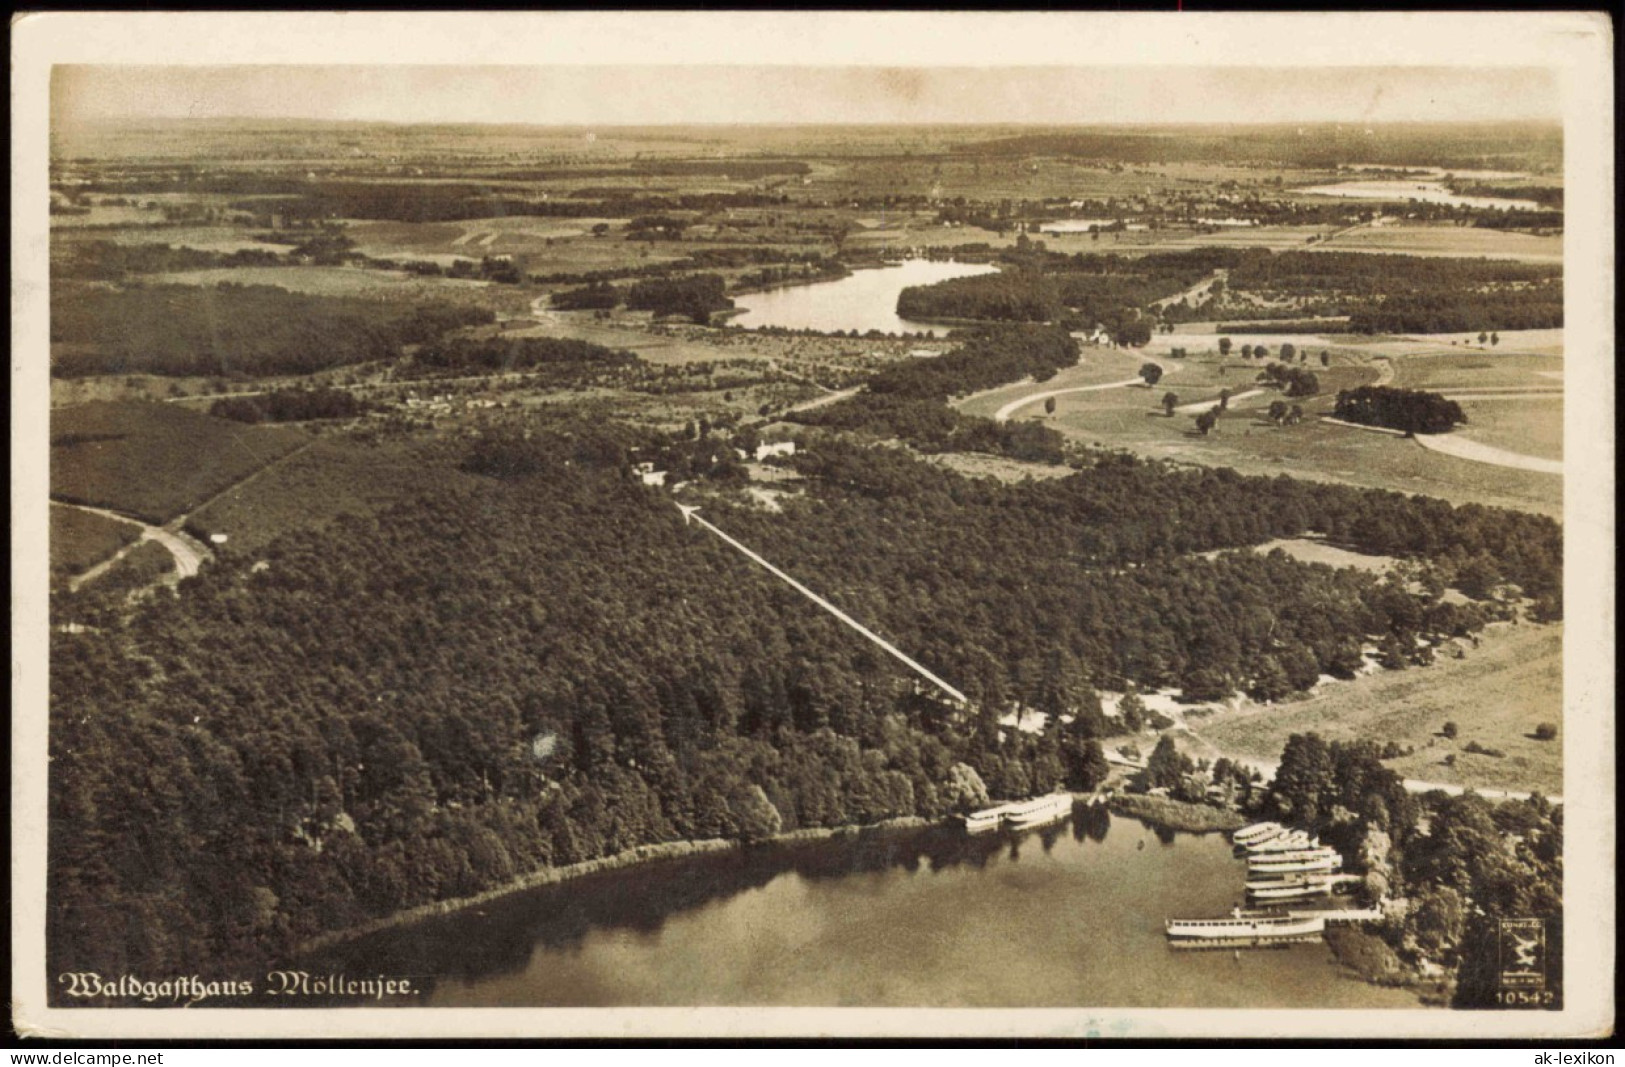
694 296
1409 410
560 360
292 405
1295 381
1151 372
594 296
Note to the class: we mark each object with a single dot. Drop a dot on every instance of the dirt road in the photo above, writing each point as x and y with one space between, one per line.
1462 448
189 553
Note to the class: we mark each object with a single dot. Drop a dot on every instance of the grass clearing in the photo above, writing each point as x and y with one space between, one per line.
1529 427
155 461
1497 695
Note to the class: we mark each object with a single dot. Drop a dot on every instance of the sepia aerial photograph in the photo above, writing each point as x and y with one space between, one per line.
702 533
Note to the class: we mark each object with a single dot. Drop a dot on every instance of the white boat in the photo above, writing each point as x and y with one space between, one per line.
1317 863
1291 842
1285 855
980 822
1246 929
1291 892
1294 878
1038 811
1258 831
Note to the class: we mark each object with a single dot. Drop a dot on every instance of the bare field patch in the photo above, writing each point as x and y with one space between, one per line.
1449 241
324 281
1315 550
977 465
1496 695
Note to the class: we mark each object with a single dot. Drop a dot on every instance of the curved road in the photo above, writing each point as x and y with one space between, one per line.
1004 413
189 554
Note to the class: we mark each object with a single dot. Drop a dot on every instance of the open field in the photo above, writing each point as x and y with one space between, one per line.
154 461
203 238
1314 550
1529 427
81 539
1477 370
1426 240
1497 695
328 281
1132 417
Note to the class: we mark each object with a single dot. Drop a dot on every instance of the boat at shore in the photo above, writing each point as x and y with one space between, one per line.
1287 864
1039 811
1295 841
1258 831
1290 891
1245 929
1021 814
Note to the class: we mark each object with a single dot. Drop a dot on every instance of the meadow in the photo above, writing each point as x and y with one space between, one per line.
1496 694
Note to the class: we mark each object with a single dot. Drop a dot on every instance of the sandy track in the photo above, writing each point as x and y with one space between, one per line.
189 554
1462 448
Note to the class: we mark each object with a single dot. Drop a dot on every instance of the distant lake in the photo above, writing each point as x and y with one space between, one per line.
1070 916
864 300
1428 192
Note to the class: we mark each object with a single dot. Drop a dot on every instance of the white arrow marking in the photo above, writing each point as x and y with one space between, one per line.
689 516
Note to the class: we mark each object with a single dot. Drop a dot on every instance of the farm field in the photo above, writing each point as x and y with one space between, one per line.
1497 695
1423 240
328 281
154 461
81 539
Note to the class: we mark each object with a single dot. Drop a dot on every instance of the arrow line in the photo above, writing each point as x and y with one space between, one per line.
689 516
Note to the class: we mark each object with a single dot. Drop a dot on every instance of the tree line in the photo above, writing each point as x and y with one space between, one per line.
234 330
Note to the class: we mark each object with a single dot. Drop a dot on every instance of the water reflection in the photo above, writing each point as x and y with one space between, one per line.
1069 914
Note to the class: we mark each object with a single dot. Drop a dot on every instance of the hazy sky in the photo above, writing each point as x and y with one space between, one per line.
568 95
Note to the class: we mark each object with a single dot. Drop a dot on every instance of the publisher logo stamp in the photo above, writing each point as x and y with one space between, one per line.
1523 954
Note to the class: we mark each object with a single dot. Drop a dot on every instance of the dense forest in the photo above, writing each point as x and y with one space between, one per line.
561 361
291 405
1460 863
1410 410
420 704
233 330
908 400
1378 293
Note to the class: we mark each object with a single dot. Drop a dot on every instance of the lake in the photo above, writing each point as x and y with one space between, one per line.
1070 916
864 300
1429 192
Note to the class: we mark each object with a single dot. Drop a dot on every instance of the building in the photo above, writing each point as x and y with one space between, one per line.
776 448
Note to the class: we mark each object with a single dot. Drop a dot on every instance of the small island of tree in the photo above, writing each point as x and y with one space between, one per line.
1409 410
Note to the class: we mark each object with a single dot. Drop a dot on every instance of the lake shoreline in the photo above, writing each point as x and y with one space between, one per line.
1176 815
641 855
